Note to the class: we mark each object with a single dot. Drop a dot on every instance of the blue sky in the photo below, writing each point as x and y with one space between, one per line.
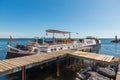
30 18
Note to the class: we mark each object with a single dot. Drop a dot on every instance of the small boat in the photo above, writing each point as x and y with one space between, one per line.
41 45
116 40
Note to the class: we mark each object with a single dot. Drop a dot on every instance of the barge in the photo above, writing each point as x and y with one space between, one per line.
42 45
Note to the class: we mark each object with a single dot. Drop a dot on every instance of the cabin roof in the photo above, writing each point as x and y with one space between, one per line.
57 31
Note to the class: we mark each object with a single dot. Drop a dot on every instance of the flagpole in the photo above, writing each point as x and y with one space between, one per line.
11 39
69 35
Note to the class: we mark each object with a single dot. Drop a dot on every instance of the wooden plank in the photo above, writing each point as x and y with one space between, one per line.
94 56
19 62
108 57
30 59
104 58
3 68
13 62
25 61
6 66
98 57
111 58
11 65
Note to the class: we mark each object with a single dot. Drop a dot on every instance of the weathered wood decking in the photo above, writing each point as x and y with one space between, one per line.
92 56
15 64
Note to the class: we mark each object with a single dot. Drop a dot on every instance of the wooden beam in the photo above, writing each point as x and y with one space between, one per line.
23 73
66 60
58 67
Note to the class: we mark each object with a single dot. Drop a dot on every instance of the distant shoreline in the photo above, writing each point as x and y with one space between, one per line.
50 37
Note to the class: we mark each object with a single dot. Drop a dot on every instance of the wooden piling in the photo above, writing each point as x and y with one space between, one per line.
58 67
69 60
90 49
23 73
82 62
66 61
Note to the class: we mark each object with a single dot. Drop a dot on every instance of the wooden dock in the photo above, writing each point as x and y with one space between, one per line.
13 65
92 56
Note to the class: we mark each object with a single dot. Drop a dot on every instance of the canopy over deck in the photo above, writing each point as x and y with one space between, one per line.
57 31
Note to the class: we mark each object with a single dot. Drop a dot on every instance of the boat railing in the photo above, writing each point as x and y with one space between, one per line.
56 47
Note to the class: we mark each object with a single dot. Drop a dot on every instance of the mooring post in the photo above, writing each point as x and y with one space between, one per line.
58 67
69 60
90 50
23 73
82 62
66 60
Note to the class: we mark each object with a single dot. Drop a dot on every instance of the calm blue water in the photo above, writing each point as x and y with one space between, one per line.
106 48
110 48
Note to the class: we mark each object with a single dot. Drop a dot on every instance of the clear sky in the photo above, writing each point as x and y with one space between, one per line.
30 18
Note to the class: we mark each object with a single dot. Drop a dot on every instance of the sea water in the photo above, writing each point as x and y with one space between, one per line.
110 48
106 48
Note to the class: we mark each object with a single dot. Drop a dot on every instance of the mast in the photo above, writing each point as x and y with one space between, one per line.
43 41
69 35
53 38
36 41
